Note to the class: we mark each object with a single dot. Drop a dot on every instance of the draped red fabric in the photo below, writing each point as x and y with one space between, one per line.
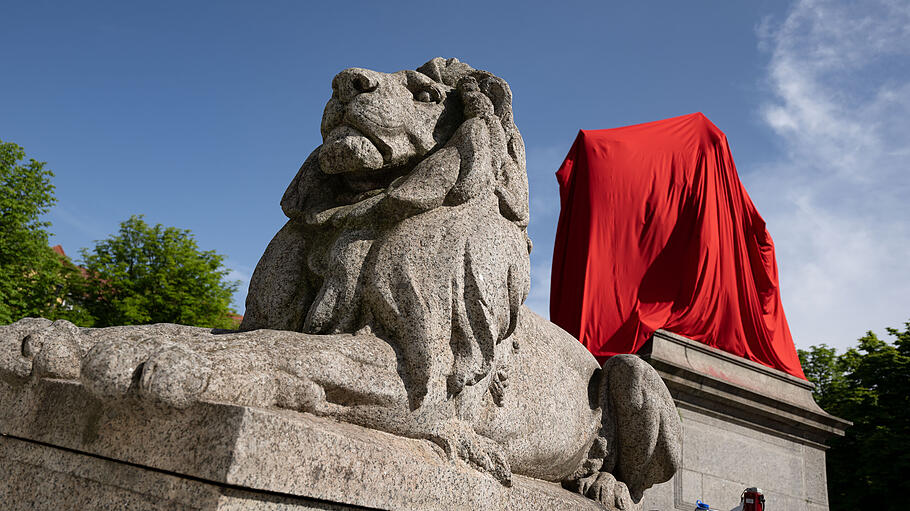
656 231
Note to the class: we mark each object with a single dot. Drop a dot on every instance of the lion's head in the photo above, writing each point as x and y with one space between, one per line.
382 121
379 129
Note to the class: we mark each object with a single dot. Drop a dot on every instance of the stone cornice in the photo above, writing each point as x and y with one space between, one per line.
727 386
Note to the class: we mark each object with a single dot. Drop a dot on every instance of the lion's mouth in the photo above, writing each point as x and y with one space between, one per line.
361 185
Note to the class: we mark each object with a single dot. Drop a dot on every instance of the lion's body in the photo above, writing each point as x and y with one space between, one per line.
549 441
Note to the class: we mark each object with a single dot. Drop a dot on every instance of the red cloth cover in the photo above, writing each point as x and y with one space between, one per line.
656 231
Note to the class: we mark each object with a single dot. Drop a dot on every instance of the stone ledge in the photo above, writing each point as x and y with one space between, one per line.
715 382
744 425
38 477
287 453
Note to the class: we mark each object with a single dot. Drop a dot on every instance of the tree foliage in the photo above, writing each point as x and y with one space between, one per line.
870 386
34 280
144 274
156 274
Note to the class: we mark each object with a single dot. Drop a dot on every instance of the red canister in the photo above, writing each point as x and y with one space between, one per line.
752 499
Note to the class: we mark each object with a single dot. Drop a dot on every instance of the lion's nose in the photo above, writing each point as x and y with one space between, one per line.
351 82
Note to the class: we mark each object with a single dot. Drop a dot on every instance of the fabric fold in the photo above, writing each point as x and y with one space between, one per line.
657 231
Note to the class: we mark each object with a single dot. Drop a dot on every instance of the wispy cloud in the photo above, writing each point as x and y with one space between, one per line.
836 202
76 221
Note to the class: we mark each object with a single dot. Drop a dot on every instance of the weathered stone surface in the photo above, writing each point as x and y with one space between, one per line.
215 456
743 424
646 415
409 222
392 299
541 428
40 477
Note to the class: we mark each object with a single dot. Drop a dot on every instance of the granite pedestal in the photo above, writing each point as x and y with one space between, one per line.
62 449
744 425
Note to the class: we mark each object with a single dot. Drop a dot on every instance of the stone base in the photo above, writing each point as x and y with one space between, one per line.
62 449
744 425
41 477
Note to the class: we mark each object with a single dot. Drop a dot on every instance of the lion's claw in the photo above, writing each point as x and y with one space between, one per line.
154 368
37 347
110 367
175 376
459 440
604 488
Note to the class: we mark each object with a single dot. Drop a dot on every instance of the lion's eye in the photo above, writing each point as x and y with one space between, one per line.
427 95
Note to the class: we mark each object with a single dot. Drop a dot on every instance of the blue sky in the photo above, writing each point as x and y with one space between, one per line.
197 115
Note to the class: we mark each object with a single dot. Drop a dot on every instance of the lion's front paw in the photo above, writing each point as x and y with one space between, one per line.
151 368
613 494
40 348
459 440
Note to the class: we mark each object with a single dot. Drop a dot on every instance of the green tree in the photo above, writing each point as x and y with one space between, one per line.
34 280
870 386
156 274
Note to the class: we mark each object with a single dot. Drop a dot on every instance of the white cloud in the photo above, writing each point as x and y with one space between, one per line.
76 221
836 202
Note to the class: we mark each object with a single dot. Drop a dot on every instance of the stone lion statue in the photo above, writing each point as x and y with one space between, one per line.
393 299
409 220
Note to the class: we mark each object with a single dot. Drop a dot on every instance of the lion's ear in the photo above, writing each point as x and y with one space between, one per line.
446 71
479 90
499 93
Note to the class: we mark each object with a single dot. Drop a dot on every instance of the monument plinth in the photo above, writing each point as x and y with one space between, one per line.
61 448
743 424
